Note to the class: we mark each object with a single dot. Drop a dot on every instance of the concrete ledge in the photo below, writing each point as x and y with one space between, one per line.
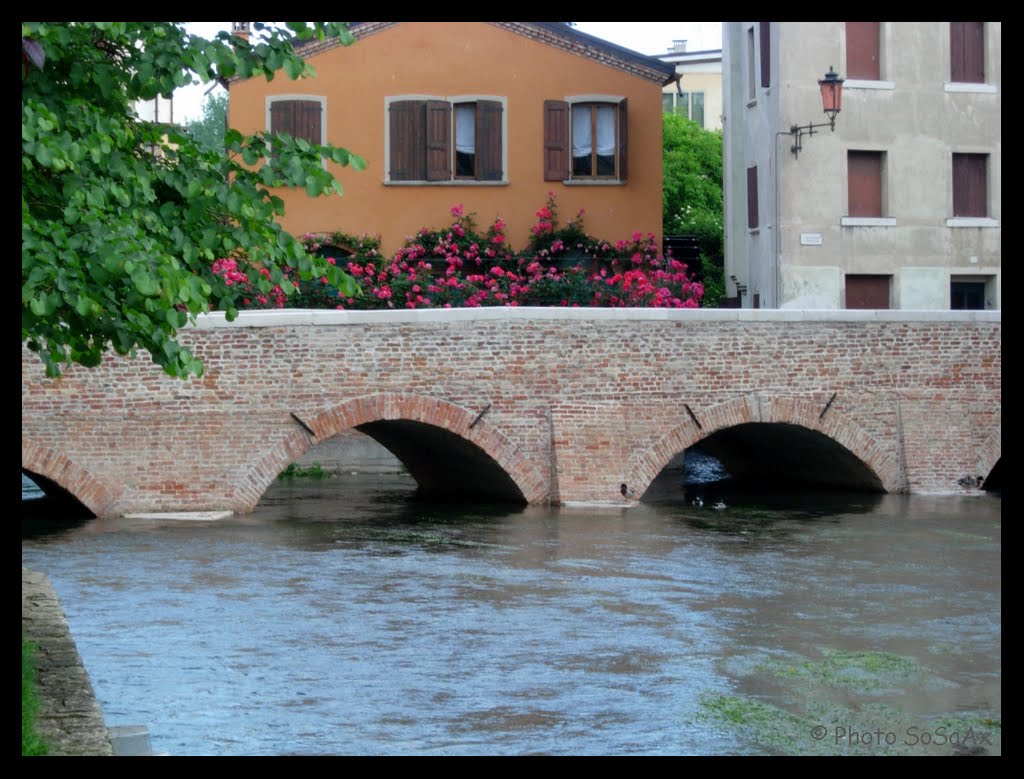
70 721
299 316
194 516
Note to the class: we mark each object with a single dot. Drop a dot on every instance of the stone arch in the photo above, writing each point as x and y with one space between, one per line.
767 409
990 452
100 498
393 406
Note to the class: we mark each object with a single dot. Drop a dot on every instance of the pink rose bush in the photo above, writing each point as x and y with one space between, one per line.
457 266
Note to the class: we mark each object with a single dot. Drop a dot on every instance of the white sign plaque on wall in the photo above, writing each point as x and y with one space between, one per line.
810 239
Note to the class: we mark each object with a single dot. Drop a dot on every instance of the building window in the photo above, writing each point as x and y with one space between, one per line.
967 295
862 51
864 169
752 217
751 80
298 117
585 140
687 104
439 140
970 184
972 293
966 52
766 51
867 291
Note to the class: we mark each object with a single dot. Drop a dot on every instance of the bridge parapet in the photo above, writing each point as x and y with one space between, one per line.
569 403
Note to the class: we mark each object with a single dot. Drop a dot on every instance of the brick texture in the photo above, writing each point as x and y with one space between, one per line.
568 408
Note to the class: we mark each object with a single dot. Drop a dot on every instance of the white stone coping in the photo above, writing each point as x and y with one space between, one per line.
199 516
860 83
867 221
972 221
288 317
962 86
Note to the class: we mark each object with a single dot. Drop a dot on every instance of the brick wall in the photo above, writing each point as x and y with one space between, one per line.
569 403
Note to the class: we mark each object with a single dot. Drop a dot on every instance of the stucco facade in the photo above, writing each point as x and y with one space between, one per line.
700 72
517 66
803 242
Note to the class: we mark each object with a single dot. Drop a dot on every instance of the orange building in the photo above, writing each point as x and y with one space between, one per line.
489 115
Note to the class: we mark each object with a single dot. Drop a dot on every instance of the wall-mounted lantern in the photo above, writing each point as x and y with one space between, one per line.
831 104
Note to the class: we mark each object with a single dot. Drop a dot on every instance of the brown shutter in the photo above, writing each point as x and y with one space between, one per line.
966 52
864 175
766 51
752 215
488 140
862 50
308 120
867 291
623 140
408 141
969 185
298 118
556 140
439 145
282 117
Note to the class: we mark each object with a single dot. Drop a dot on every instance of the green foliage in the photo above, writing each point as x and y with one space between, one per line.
122 219
692 195
31 743
293 471
209 129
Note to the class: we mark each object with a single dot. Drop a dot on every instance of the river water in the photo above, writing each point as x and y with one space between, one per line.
345 617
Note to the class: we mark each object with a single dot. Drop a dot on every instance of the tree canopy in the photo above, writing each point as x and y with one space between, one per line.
692 201
122 220
209 129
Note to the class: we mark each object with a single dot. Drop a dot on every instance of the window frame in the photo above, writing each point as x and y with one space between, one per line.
558 139
676 98
439 133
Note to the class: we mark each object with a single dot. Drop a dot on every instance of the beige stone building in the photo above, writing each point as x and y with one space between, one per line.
698 94
899 205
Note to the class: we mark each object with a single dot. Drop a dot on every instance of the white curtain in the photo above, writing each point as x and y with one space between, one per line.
465 129
581 132
605 130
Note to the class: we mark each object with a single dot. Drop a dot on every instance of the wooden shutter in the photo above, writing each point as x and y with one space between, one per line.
408 141
766 52
867 291
967 52
862 45
864 175
556 140
439 140
282 117
752 215
969 185
307 120
298 118
623 140
488 140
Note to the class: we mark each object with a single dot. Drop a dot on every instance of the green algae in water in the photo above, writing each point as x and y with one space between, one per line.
761 723
857 671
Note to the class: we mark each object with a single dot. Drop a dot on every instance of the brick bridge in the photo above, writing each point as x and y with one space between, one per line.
542 405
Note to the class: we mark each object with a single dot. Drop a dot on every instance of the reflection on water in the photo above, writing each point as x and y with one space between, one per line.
342 617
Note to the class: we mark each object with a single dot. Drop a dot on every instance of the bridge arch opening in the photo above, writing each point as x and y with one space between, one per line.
767 457
442 463
449 450
49 499
994 481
